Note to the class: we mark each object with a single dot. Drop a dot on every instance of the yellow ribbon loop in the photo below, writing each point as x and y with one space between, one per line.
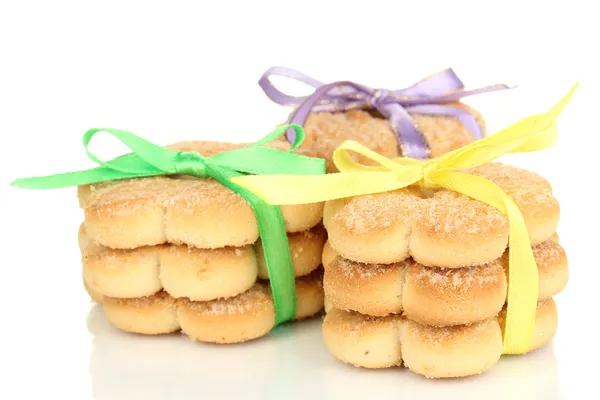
533 133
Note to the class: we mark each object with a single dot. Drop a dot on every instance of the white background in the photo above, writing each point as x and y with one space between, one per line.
172 71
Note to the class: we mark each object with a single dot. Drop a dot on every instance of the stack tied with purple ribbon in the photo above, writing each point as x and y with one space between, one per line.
423 121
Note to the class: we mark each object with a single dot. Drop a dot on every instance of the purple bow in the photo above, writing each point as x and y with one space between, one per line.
428 96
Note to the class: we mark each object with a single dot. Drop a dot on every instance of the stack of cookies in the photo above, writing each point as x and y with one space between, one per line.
425 120
164 254
419 277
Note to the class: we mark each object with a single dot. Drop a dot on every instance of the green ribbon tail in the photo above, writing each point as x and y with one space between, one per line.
275 245
78 178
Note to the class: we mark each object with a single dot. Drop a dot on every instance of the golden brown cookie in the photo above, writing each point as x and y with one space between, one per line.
202 213
435 352
436 296
325 131
439 228
182 271
244 317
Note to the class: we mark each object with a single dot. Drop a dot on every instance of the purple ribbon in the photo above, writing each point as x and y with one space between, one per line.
427 97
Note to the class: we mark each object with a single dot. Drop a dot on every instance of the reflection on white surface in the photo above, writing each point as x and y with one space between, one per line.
290 363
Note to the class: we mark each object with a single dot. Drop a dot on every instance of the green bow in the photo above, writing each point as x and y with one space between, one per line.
148 159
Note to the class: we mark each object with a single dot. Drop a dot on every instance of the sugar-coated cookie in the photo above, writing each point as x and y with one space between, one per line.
325 131
435 296
244 317
203 213
439 228
435 352
182 271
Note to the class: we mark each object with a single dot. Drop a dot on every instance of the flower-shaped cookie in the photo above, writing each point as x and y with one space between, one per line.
440 228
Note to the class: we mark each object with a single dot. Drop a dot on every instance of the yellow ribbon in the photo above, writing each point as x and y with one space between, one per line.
533 133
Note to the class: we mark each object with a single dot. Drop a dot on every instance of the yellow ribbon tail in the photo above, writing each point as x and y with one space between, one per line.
534 133
303 189
560 106
523 286
523 278
482 151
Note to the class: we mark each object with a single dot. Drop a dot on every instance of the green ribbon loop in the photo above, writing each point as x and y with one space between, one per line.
148 159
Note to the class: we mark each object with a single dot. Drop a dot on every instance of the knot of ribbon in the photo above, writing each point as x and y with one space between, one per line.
430 96
148 159
533 133
190 163
380 98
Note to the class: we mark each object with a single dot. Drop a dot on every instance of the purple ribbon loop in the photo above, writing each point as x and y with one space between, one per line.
427 97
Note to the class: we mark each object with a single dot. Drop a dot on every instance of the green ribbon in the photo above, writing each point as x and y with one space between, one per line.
148 159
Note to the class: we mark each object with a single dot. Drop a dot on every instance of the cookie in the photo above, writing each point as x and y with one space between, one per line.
244 317
439 228
182 271
203 213
326 131
436 296
435 352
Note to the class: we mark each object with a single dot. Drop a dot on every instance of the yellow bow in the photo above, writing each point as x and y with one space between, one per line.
530 134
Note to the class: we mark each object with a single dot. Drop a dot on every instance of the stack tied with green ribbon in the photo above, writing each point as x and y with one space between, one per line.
169 243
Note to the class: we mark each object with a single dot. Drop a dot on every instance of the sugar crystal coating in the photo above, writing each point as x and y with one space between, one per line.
325 131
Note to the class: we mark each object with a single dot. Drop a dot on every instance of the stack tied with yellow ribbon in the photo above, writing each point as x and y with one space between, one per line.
169 243
441 265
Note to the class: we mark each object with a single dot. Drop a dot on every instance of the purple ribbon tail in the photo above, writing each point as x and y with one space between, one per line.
411 141
435 85
448 97
465 117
